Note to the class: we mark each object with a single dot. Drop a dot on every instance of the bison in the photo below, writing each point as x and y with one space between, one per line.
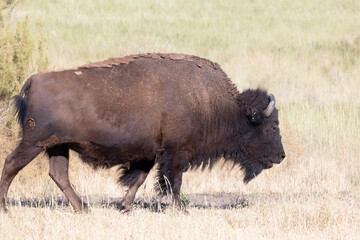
174 111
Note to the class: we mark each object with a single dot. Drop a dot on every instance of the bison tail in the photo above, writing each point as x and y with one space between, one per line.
20 104
21 108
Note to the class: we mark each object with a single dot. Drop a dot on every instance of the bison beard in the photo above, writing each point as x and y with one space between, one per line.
174 111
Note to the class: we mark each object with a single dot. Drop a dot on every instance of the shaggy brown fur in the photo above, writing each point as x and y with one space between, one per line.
175 110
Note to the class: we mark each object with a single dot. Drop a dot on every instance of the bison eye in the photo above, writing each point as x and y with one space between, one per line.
256 118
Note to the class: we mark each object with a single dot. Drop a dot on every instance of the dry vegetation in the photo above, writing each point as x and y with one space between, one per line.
305 52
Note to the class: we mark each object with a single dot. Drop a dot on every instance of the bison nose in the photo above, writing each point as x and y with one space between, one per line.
282 156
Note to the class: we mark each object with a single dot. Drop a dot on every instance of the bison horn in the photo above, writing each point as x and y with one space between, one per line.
270 107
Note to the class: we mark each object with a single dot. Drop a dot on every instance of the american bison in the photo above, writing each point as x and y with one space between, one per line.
173 110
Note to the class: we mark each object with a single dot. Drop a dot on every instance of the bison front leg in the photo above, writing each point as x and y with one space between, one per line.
181 164
131 192
176 192
59 166
171 166
133 176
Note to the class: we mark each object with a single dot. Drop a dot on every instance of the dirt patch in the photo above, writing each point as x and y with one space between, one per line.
200 201
156 204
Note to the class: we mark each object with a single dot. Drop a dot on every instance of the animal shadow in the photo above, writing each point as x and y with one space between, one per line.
154 204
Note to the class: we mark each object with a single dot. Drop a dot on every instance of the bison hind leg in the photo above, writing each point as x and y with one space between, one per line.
58 171
14 162
58 150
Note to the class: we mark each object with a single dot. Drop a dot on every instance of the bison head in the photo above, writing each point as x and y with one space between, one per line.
260 140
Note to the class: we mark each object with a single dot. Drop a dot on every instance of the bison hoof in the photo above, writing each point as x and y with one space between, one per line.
2 205
83 210
3 209
126 209
184 211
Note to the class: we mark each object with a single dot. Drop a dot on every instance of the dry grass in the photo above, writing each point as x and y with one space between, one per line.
305 52
281 217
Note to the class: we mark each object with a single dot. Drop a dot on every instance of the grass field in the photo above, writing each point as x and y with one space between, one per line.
305 52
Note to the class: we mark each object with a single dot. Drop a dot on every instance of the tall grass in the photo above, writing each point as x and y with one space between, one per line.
305 52
20 55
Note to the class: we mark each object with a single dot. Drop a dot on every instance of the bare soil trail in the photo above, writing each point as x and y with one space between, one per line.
199 201
156 204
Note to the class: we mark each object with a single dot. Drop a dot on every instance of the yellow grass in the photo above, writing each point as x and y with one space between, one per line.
305 52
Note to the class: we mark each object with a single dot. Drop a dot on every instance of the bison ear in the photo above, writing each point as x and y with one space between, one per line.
255 117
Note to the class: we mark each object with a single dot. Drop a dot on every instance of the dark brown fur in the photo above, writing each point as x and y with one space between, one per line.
176 110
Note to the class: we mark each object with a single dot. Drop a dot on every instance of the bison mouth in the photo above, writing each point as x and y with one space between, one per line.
254 168
268 164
